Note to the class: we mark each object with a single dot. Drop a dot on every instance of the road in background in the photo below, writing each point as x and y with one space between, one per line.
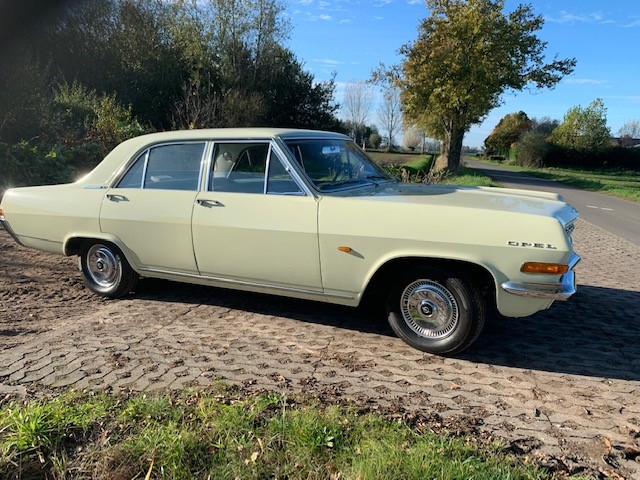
618 216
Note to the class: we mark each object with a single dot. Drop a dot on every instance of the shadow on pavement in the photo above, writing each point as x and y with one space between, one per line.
596 333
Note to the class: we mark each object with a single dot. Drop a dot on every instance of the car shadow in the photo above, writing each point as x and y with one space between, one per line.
596 333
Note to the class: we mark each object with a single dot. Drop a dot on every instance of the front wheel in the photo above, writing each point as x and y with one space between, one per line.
435 311
105 270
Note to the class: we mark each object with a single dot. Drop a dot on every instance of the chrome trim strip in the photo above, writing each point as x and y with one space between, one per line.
242 282
144 168
7 227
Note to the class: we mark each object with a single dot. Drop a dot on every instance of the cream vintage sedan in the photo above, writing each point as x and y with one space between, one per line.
304 214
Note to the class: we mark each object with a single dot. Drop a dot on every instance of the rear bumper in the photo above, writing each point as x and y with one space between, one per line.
550 291
8 228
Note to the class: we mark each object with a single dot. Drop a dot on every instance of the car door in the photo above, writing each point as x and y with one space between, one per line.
150 208
253 222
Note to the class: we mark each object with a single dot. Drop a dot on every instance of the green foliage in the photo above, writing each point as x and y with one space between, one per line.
108 70
532 149
227 435
507 132
29 163
467 54
584 128
80 114
375 140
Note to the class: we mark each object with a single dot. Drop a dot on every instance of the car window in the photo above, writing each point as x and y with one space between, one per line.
279 181
239 167
133 178
334 163
168 167
174 167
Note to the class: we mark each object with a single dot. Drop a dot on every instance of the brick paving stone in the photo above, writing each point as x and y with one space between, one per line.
563 376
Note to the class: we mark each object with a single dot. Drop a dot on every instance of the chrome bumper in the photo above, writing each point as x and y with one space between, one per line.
551 291
8 228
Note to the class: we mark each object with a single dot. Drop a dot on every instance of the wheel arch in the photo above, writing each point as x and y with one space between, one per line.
73 243
479 275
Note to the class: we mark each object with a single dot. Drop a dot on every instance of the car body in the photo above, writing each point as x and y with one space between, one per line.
304 214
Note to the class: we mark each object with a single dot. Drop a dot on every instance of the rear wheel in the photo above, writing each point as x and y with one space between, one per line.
435 311
105 270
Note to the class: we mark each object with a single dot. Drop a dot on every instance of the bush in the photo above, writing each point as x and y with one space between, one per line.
532 149
375 140
27 163
612 157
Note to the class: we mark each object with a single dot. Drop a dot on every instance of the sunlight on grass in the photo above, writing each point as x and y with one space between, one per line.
616 182
223 435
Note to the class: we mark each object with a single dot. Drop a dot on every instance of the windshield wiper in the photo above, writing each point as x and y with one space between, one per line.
372 178
339 183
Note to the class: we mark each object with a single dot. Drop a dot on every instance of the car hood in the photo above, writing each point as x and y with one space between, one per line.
481 198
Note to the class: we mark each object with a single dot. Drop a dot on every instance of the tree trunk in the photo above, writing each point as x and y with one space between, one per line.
450 152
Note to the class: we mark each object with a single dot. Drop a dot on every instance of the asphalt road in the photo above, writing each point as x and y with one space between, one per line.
620 217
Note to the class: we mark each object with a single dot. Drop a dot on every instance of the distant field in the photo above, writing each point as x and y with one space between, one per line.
615 182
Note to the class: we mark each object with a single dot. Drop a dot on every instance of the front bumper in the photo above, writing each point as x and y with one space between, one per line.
550 291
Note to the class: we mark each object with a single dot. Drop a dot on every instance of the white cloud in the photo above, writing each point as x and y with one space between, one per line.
328 61
415 2
635 23
585 81
378 18
303 2
325 17
345 20
570 18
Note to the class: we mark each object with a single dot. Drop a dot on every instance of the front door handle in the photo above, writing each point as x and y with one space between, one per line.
115 197
209 203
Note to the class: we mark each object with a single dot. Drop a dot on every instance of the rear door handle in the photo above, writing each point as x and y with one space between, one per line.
209 203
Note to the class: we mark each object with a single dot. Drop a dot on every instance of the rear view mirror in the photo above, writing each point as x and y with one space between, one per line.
330 150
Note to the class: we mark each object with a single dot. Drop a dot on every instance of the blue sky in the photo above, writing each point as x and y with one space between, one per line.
351 37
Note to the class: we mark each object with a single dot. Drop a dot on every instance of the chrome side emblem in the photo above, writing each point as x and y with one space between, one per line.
532 245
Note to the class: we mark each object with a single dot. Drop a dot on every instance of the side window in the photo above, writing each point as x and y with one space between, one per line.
169 167
279 181
133 178
239 167
174 167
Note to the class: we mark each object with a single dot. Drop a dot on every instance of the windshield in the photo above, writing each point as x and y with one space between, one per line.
335 163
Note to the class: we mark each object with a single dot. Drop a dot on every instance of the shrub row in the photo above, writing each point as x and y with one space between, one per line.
27 163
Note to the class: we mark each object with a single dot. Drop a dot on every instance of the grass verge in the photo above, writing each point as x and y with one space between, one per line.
223 433
616 182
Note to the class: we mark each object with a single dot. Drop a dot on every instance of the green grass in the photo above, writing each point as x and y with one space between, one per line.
616 182
224 434
470 178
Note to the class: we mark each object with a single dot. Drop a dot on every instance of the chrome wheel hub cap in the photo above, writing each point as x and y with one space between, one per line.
429 309
103 266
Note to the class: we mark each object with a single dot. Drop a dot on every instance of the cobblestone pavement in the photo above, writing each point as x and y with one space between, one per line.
564 382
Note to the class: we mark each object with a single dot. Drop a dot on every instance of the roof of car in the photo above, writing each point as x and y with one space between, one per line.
234 133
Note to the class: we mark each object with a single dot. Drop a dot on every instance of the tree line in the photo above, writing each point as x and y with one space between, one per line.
160 64
581 139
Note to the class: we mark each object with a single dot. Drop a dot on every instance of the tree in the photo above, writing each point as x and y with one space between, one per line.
358 101
584 128
629 131
507 132
412 137
390 114
467 54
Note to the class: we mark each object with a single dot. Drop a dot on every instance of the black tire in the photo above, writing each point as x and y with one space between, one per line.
435 311
105 270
